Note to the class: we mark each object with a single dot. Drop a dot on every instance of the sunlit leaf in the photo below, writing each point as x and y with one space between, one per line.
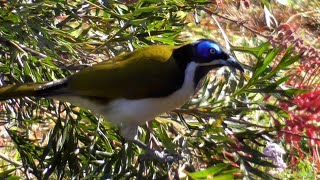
209 172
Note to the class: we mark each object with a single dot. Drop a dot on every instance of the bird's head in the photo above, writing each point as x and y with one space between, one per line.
211 54
206 55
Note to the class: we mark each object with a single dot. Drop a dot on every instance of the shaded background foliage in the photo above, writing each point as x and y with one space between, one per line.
221 133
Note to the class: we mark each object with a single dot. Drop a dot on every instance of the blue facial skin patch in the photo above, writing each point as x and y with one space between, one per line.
203 49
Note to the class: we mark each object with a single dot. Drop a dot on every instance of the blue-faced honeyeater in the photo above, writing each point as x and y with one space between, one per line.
138 86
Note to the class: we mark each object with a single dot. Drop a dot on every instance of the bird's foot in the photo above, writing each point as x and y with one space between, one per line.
162 157
151 154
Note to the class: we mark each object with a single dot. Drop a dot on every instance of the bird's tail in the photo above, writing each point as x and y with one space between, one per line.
33 89
19 90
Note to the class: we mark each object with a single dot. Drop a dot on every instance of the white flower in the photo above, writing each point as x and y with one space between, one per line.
279 162
273 151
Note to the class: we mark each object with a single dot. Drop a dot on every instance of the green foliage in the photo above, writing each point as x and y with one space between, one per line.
218 171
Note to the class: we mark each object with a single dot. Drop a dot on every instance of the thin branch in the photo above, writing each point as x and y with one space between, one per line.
13 162
36 53
304 136
211 13
25 49
300 15
224 35
194 112
6 42
246 123
210 115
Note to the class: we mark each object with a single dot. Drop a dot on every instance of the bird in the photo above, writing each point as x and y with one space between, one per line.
137 86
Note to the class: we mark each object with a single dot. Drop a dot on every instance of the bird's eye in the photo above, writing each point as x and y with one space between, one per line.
212 51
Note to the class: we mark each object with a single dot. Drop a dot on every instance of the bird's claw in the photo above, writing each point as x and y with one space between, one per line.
162 156
151 154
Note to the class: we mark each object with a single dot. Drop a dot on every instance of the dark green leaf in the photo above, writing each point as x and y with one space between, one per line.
211 171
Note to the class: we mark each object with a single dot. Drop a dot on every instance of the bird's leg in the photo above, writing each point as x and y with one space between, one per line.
129 131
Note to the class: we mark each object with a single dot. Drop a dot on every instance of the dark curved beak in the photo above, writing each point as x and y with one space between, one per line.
231 62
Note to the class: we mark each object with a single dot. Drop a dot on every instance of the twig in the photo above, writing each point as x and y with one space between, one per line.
211 13
304 136
194 112
25 49
6 42
210 115
13 162
225 37
36 53
246 123
300 14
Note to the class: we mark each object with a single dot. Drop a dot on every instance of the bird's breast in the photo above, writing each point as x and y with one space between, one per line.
134 112
138 111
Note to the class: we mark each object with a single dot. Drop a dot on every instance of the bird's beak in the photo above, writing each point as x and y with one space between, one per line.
231 62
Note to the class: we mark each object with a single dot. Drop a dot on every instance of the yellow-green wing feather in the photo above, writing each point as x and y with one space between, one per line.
147 72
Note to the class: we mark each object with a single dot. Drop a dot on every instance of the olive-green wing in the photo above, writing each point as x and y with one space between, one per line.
148 72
